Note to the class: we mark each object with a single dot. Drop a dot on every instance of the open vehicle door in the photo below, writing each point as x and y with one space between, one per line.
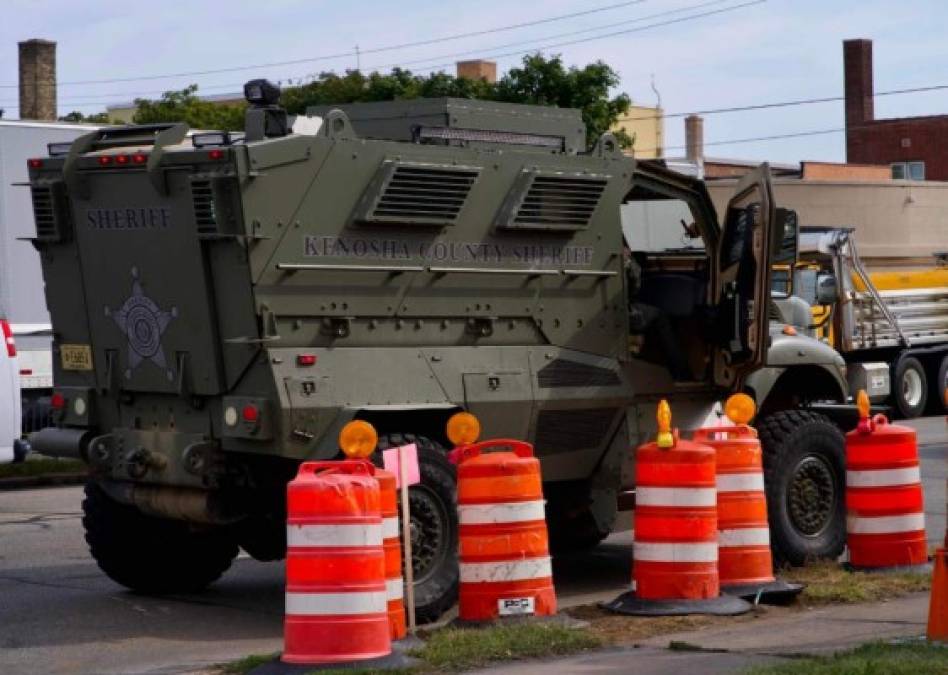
743 271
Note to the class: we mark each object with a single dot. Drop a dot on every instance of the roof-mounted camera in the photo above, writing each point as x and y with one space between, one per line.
265 118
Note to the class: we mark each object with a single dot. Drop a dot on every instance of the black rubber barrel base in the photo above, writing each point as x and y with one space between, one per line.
724 605
397 660
776 592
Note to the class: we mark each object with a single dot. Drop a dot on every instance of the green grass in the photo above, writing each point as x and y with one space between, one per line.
246 664
41 467
872 659
828 583
456 649
453 649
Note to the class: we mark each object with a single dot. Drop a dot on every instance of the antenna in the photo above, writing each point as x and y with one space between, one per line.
658 122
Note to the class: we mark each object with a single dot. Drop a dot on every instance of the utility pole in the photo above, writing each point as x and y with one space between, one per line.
358 60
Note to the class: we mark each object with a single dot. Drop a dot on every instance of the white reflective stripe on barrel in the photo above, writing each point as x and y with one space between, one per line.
702 552
500 571
390 528
666 496
326 534
749 536
488 514
335 604
740 482
883 477
395 588
910 522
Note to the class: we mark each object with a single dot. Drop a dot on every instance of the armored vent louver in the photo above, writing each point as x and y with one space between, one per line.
49 211
552 201
420 194
205 214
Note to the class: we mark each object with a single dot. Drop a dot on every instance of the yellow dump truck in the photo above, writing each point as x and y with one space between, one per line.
897 315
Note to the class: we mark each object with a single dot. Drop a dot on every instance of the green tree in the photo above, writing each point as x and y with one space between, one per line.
543 81
185 106
539 80
97 118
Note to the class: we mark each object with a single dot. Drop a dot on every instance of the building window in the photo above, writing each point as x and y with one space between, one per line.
908 170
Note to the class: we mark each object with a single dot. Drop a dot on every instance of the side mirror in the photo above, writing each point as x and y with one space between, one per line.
826 291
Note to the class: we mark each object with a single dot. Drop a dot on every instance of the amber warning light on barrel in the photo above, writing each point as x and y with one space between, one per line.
463 428
740 408
665 438
358 439
862 403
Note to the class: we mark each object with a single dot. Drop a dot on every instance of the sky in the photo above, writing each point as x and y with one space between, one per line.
747 53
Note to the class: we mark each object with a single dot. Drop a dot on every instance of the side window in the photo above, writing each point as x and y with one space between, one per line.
660 225
908 170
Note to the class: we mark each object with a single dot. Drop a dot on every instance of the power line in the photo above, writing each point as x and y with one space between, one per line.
755 139
669 22
783 104
481 51
375 50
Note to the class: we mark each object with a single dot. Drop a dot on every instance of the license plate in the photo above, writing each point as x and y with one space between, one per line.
76 357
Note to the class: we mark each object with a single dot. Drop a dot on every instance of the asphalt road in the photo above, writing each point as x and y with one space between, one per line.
59 614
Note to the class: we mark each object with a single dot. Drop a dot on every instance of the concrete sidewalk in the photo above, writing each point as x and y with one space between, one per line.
731 648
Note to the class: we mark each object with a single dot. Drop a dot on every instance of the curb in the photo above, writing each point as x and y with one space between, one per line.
48 480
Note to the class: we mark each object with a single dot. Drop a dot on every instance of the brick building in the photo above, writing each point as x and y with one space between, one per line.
915 148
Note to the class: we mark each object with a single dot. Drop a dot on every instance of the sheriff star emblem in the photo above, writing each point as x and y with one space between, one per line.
143 323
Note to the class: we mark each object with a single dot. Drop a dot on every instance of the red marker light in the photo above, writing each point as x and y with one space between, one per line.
215 154
306 359
139 158
250 413
121 159
26 371
35 163
105 160
7 334
57 401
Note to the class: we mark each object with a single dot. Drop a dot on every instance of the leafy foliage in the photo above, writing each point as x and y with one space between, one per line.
78 117
186 106
539 80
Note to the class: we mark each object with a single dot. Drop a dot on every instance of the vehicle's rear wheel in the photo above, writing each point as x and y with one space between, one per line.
434 527
939 393
804 470
152 555
909 387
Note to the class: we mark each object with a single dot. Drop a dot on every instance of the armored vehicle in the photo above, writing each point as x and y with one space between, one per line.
224 304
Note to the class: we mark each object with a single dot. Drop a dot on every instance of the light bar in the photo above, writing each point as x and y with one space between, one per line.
58 149
487 136
211 138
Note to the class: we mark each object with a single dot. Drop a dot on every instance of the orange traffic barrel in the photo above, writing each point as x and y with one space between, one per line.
938 603
504 550
675 547
335 566
744 555
885 513
392 545
745 560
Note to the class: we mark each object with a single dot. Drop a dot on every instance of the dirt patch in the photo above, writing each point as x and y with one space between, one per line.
828 583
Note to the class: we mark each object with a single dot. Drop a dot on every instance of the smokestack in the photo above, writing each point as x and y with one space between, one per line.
857 64
37 80
478 70
694 138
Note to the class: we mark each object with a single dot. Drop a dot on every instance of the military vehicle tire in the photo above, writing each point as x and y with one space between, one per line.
434 527
805 478
939 387
909 387
152 555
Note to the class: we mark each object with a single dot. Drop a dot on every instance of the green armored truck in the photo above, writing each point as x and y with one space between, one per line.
223 304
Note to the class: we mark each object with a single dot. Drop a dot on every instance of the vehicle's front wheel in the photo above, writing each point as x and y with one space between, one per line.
804 471
909 387
434 527
152 555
